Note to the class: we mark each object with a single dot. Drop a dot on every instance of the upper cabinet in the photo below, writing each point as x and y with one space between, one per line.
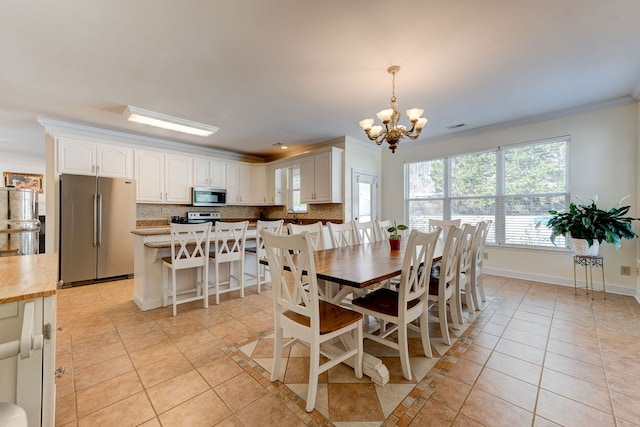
163 178
209 173
275 181
89 158
321 177
259 186
238 183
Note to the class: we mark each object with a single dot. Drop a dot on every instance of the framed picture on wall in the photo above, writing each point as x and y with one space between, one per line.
32 181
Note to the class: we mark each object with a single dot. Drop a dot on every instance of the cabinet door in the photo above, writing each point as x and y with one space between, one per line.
322 177
218 174
279 195
244 184
76 157
259 185
307 180
113 161
201 172
149 173
178 179
233 172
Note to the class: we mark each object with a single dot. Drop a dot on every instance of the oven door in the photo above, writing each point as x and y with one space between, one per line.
204 196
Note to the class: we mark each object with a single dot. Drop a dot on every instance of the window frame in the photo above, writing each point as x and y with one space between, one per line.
498 227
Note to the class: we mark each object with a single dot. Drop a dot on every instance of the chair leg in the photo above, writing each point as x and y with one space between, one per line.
173 292
258 274
403 347
359 343
217 285
277 354
468 295
444 328
205 285
424 334
241 279
165 286
314 372
474 293
481 287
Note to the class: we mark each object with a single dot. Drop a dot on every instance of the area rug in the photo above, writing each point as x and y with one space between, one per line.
342 398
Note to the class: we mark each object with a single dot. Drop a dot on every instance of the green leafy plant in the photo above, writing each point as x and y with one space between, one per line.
590 223
394 230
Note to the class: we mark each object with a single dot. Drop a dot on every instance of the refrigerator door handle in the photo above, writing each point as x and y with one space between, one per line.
95 220
99 219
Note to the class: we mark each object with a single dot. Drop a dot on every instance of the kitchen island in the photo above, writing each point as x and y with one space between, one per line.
28 286
150 246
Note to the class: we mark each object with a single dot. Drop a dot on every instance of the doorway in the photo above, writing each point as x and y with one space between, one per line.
364 190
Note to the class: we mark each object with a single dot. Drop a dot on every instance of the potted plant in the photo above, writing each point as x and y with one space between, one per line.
592 225
394 237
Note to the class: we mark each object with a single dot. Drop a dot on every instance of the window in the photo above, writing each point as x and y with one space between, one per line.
293 188
512 186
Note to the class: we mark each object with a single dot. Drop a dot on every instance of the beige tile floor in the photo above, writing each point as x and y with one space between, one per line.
535 355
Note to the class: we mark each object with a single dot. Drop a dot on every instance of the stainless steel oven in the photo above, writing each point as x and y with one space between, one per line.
206 196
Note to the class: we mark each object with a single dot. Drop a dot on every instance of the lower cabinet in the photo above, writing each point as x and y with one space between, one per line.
27 357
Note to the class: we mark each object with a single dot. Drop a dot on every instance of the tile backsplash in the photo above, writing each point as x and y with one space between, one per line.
159 213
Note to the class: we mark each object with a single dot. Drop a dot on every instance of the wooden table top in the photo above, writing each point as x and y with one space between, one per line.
362 265
28 276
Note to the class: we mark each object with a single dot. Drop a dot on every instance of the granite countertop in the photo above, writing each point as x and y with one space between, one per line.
28 276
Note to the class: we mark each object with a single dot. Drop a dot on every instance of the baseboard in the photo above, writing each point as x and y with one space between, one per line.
562 281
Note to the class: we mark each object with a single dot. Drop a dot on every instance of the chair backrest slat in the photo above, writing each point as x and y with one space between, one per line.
417 259
190 244
230 240
316 233
366 232
343 234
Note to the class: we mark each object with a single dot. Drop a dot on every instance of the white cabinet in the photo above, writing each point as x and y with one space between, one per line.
259 194
27 363
209 173
321 177
163 178
275 185
238 184
88 158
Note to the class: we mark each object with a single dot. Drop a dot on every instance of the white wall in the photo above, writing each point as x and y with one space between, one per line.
11 161
603 161
362 157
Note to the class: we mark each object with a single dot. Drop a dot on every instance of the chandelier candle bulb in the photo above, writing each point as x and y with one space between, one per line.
414 114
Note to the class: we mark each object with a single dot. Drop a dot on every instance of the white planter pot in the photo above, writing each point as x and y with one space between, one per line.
581 247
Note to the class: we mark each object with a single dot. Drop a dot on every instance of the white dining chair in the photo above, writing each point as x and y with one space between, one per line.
344 234
229 243
300 314
445 224
189 250
477 284
316 232
381 229
442 289
366 232
260 252
465 261
396 310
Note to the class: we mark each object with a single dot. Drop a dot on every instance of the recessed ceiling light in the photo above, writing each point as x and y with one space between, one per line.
281 145
164 121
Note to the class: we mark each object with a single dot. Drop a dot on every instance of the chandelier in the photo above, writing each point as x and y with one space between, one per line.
393 132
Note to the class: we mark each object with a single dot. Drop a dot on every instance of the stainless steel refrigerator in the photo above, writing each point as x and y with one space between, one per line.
97 216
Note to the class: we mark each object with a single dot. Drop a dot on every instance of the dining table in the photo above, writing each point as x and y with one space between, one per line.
344 269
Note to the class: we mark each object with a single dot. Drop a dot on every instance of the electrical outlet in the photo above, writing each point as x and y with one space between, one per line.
164 210
625 270
485 255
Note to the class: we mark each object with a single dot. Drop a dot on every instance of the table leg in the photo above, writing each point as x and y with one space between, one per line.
604 288
575 287
371 365
586 279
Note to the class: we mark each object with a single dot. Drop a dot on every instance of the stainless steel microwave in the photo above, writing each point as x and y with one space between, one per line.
206 196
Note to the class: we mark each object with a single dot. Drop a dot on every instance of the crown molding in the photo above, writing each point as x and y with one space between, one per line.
61 128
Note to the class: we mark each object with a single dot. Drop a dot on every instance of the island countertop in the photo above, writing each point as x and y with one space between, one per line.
28 276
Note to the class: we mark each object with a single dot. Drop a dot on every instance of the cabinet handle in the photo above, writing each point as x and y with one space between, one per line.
59 372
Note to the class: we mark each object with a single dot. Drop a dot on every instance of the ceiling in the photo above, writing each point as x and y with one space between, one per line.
302 71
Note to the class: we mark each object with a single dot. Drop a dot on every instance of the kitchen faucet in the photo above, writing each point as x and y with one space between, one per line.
291 211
